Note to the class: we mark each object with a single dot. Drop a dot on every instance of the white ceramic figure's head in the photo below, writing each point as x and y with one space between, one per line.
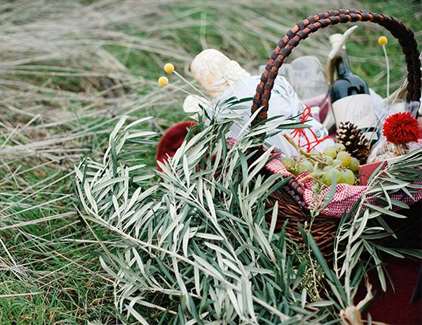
215 72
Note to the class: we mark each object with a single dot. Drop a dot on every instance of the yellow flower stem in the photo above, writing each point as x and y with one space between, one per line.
190 84
387 63
178 88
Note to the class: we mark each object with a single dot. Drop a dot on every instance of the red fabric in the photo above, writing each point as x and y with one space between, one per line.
395 306
366 170
172 139
344 198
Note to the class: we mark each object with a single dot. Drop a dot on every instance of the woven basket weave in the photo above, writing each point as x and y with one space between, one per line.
291 206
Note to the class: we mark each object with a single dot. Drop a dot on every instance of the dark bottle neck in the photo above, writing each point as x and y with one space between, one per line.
343 68
347 83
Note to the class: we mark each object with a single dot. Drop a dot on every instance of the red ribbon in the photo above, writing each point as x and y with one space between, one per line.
310 141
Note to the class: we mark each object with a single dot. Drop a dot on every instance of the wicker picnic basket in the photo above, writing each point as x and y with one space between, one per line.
291 205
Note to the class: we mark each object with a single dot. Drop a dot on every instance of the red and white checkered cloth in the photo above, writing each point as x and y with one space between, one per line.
344 198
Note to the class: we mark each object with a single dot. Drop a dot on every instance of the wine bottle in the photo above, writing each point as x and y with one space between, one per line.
351 100
347 83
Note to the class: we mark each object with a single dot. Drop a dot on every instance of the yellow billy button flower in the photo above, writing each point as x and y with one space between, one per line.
163 81
382 40
168 68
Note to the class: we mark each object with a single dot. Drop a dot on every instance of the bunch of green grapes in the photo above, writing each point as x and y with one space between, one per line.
334 165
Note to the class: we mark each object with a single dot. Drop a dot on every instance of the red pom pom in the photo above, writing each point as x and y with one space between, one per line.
401 128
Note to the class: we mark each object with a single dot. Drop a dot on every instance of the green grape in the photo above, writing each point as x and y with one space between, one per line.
345 158
339 176
354 165
305 166
317 173
348 177
329 160
337 162
340 147
331 152
326 180
329 176
289 163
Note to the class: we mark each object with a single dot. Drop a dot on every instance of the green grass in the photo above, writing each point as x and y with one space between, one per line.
57 109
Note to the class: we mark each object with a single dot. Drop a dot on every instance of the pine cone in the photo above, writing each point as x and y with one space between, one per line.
354 140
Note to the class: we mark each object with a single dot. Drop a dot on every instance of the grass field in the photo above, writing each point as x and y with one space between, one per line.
68 71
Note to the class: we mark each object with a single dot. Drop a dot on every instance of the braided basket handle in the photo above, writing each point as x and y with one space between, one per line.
311 24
